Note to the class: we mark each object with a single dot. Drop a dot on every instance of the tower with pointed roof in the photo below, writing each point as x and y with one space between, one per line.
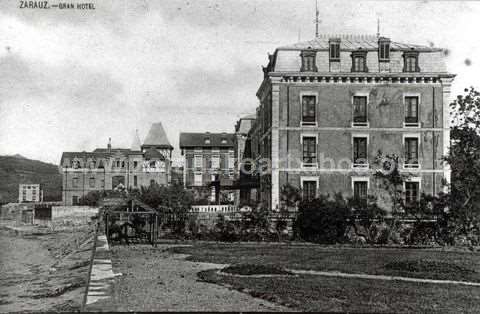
329 104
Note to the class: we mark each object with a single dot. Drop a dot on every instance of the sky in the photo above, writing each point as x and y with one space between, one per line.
70 79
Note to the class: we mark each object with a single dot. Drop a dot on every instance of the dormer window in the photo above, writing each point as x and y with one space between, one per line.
334 50
359 61
410 61
383 49
207 140
224 141
308 61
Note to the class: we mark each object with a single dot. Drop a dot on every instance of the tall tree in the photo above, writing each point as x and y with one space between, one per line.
464 160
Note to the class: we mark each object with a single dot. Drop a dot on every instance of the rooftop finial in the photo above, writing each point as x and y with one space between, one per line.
316 18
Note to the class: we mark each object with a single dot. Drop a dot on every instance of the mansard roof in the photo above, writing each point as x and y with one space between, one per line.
207 139
157 137
353 42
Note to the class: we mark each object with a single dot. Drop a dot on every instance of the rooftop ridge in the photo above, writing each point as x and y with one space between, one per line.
348 36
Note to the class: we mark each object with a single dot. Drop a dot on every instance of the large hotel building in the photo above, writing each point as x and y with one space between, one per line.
336 99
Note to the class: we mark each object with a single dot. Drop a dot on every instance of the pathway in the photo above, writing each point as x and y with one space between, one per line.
155 280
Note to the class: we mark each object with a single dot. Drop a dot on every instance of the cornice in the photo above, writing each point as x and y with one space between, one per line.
362 77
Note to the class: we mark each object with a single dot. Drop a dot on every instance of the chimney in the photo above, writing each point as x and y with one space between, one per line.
109 146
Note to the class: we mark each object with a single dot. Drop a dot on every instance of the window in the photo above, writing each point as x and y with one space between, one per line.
384 49
135 181
360 110
197 179
411 111
334 49
309 189
411 193
75 182
91 182
117 180
359 61
102 183
198 161
231 162
411 151
309 151
224 140
189 161
308 61
360 152
74 200
308 110
207 140
410 62
360 190
152 182
215 162
135 164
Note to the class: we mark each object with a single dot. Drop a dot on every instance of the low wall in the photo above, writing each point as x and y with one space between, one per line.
72 215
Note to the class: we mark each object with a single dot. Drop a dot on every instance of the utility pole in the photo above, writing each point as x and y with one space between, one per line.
378 27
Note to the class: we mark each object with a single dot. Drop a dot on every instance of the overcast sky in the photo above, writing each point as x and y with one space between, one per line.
70 78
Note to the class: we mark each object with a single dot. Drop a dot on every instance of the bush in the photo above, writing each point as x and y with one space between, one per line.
91 198
226 230
323 220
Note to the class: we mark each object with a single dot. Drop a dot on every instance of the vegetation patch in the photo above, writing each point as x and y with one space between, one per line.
254 269
421 266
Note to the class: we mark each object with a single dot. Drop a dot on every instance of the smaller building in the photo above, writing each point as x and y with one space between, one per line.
29 193
209 160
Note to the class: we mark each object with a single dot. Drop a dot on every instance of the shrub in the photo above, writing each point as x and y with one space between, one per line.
323 220
91 198
226 230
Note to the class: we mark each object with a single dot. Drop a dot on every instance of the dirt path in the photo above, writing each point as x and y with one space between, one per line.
43 272
156 280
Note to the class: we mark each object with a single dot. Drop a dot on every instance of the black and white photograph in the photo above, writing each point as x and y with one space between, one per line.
240 156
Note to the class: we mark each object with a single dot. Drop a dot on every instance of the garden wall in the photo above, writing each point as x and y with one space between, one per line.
72 215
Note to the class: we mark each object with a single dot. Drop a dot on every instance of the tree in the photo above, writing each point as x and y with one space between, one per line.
464 160
91 198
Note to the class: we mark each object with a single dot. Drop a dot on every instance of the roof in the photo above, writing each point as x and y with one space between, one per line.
96 154
201 139
157 136
252 116
353 42
152 153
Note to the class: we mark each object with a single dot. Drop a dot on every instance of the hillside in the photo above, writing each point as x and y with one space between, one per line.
18 169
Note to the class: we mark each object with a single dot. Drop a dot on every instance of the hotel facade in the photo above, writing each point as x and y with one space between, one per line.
329 105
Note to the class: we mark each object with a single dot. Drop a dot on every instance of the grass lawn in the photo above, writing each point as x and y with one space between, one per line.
319 293
316 293
463 266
